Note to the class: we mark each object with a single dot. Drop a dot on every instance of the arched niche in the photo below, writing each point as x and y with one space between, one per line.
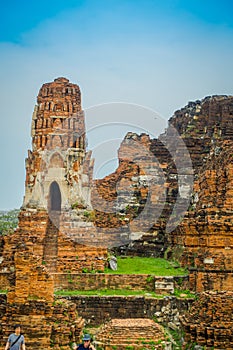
56 161
57 124
56 141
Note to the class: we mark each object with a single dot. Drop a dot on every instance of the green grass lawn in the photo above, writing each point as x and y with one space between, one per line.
106 292
153 266
122 292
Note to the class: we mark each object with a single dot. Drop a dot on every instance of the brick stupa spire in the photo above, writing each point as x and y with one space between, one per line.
54 218
58 160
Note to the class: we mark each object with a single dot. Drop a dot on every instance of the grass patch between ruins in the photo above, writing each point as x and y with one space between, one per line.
141 265
124 292
108 292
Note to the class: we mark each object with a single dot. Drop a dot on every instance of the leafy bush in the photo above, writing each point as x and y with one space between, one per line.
8 221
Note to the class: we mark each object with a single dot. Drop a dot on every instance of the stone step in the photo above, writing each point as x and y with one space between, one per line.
50 244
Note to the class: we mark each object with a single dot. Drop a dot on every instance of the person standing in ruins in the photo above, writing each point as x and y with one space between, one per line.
86 343
16 340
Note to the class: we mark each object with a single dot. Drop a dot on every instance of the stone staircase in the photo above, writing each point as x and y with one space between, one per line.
79 226
51 241
131 333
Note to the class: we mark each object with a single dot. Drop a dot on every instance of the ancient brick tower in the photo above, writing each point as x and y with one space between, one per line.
58 169
58 178
58 174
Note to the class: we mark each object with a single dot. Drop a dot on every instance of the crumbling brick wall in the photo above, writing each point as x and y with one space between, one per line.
209 321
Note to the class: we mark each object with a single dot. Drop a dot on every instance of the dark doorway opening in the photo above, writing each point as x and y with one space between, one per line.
54 203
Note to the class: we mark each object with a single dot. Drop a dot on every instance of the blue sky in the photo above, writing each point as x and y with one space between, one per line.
158 54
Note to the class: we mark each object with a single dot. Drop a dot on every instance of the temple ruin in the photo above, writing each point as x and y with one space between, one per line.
64 229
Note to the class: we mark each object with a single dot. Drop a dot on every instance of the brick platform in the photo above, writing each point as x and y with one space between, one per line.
131 334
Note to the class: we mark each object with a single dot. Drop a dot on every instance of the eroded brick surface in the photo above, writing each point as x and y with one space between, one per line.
97 310
209 321
206 232
30 302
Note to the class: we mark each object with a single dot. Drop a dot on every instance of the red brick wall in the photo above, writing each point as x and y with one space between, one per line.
209 321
